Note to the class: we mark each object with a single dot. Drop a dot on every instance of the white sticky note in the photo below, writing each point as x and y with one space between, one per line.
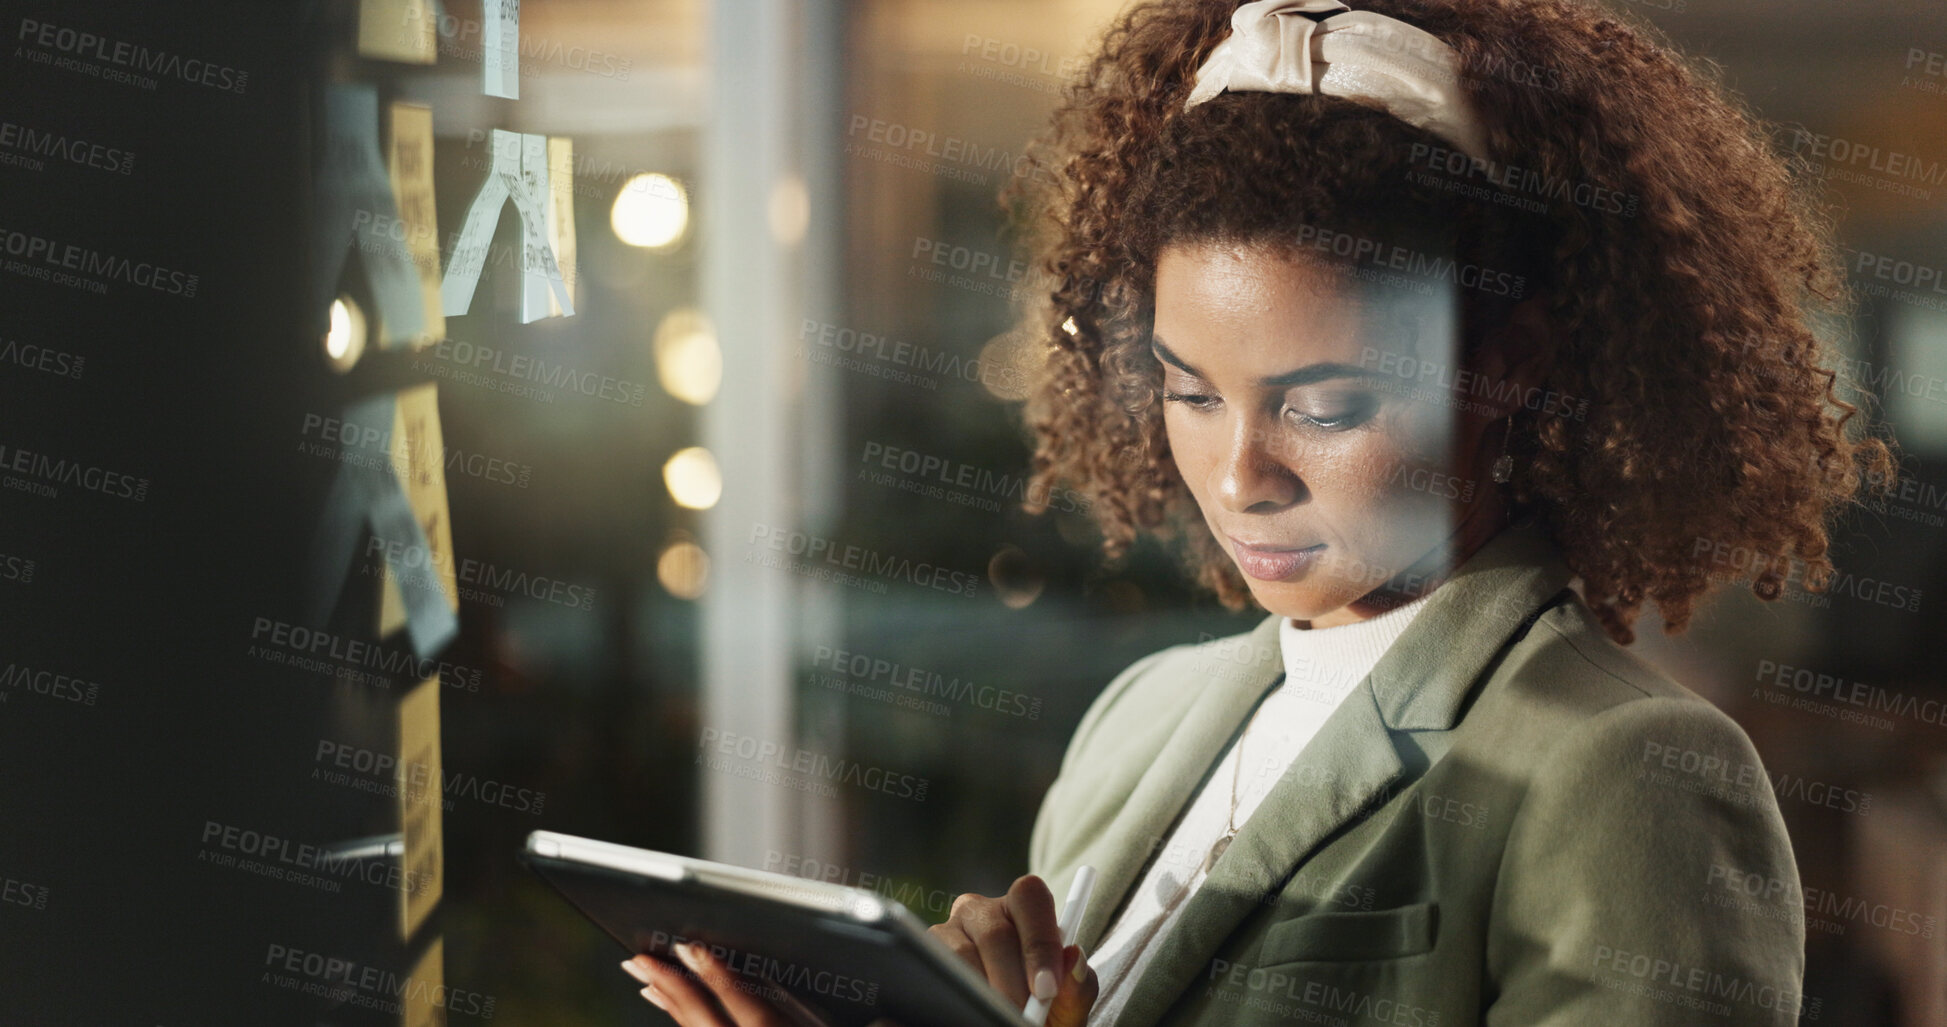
520 174
353 209
500 47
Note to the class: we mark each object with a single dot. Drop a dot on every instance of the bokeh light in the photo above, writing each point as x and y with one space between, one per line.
693 479
689 363
652 211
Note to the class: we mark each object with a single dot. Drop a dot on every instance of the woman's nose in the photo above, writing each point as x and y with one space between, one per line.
1255 474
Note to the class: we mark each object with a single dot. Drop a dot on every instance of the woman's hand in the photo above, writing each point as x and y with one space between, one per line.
710 994
1015 943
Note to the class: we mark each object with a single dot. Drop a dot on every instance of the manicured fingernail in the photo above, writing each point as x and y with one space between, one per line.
1045 985
637 971
1080 973
655 996
691 958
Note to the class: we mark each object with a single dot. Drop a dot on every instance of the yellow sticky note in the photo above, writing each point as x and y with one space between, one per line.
561 215
426 983
421 800
419 460
398 30
409 161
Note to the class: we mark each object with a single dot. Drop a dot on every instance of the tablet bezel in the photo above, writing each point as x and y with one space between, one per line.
859 907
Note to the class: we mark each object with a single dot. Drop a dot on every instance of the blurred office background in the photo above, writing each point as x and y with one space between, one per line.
790 352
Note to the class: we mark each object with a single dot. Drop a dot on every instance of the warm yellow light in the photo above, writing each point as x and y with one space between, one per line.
1015 577
344 341
683 569
790 211
688 362
1005 366
693 478
1068 325
652 211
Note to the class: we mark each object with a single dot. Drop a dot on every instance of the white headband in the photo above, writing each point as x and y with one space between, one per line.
1274 48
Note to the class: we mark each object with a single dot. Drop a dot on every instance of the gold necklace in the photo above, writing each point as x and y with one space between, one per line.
1230 820
1142 943
1209 861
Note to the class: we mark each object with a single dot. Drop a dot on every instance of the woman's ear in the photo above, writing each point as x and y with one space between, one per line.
1517 356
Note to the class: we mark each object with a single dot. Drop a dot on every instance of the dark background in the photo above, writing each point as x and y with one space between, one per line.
104 805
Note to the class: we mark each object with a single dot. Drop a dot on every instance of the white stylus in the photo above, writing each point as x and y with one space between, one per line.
1072 911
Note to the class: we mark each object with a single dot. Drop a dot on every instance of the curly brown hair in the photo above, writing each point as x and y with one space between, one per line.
1685 263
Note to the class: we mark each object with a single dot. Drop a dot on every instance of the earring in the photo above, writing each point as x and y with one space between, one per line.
1504 465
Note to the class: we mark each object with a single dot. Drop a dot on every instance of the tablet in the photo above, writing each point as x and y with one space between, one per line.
839 955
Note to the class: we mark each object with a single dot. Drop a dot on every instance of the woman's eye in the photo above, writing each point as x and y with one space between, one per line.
1193 400
1337 419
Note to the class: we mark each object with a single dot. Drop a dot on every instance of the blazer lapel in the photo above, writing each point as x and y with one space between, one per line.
1426 676
1349 764
1419 685
1224 701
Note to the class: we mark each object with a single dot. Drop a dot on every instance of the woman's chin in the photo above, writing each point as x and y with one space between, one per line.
1296 602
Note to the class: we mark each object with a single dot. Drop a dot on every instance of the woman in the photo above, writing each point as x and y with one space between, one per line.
1401 320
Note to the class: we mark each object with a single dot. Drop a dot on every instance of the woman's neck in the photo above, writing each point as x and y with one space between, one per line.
1482 520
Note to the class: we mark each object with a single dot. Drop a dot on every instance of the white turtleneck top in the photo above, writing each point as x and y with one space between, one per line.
1321 667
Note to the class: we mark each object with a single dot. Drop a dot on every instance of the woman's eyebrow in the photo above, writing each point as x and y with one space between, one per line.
1302 376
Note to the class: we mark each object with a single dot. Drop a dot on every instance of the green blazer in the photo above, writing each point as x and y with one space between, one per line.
1512 821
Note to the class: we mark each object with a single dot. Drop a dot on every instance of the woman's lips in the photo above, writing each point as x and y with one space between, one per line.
1273 563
